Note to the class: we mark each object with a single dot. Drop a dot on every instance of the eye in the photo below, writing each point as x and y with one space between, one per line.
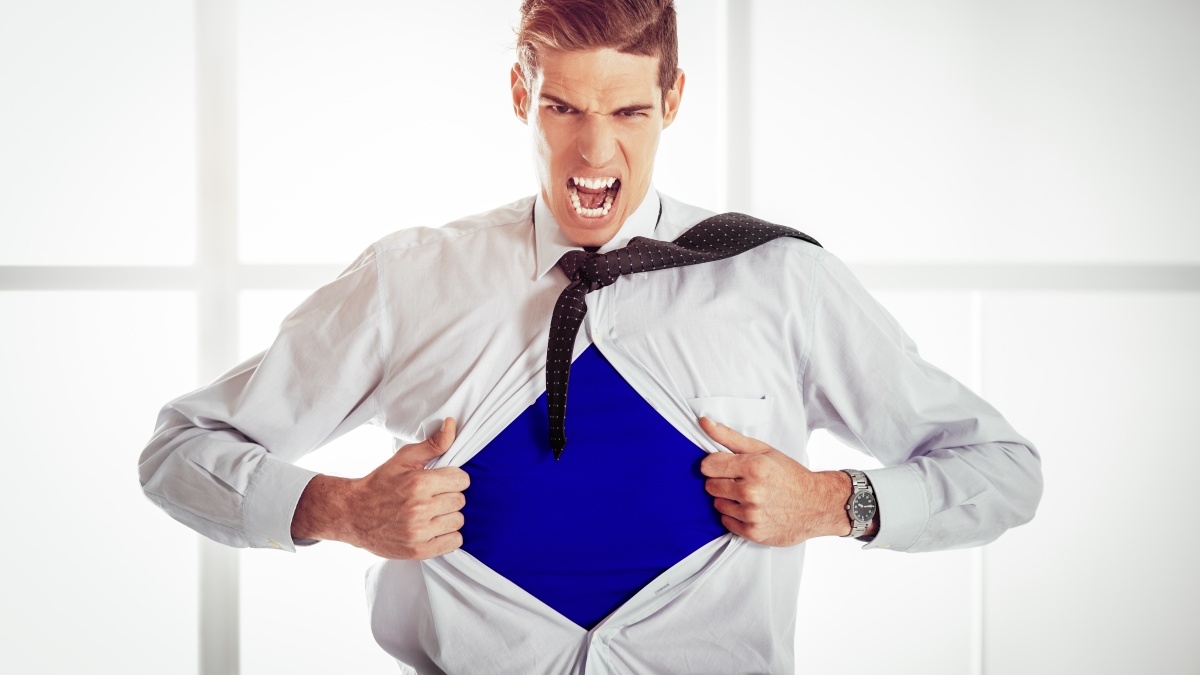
631 114
560 109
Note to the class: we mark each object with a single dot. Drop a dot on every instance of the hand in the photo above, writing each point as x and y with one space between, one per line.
399 510
769 498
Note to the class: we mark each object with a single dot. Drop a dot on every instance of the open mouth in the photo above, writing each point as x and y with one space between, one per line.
593 197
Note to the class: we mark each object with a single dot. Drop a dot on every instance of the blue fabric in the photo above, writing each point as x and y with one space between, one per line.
585 533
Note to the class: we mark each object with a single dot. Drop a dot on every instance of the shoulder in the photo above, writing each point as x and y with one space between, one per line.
512 222
678 217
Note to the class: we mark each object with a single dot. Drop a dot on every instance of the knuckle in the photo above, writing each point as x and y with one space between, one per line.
403 529
752 494
411 483
407 518
412 529
754 466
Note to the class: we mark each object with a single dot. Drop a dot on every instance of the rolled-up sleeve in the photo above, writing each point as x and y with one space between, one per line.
221 459
955 473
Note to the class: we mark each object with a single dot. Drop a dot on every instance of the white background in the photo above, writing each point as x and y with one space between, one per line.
1018 182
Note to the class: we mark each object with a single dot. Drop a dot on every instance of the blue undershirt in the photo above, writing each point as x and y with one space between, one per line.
585 533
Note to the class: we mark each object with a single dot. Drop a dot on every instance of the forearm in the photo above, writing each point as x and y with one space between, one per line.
220 484
956 497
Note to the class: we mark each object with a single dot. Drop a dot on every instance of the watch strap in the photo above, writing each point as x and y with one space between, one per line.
859 483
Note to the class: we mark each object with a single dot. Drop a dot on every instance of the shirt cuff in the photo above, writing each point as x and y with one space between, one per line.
903 507
270 503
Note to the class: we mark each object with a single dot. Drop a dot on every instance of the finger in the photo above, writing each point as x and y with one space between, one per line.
424 485
445 503
444 437
729 507
720 465
446 523
447 479
731 439
722 487
443 544
734 525
419 454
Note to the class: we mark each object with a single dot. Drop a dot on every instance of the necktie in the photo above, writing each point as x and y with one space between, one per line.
721 236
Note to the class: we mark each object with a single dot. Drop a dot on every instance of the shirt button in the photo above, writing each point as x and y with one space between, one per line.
273 544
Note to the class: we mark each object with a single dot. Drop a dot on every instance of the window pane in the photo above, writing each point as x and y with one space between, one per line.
1104 579
949 131
315 597
97 126
687 164
364 117
93 572
936 590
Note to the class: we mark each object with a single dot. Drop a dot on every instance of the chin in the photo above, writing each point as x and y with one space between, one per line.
590 230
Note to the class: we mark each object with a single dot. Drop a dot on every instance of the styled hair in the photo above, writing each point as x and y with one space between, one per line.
645 27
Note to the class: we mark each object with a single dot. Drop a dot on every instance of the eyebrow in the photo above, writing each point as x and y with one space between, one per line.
636 107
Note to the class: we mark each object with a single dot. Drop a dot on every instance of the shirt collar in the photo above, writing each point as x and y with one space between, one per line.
551 243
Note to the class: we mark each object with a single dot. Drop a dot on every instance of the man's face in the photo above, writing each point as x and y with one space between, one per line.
596 117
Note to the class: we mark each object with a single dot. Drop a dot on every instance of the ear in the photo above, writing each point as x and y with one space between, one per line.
520 95
671 100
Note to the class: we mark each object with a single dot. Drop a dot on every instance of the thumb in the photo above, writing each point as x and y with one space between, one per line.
418 455
737 443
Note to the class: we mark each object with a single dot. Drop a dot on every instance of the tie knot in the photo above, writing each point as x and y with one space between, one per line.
572 261
584 266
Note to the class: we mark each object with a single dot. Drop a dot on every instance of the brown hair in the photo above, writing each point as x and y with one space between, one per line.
645 27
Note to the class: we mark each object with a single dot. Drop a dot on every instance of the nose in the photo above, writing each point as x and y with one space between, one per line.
597 142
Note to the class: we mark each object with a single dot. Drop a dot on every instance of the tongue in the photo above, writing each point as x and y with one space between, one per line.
591 199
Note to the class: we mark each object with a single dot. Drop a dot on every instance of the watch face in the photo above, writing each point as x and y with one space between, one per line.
862 507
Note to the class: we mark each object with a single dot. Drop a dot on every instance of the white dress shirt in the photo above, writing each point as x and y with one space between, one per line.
453 322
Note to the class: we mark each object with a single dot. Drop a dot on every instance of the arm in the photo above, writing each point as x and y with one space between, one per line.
956 473
222 458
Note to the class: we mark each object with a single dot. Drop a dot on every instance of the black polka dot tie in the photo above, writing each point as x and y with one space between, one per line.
716 238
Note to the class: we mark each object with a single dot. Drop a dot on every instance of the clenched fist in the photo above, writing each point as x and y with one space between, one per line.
767 497
399 510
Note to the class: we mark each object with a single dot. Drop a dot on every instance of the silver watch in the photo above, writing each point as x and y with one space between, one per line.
861 506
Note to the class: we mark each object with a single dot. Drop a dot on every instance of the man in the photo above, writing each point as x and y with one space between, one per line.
693 388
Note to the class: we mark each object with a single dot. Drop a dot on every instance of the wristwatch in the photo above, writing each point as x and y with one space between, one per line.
861 506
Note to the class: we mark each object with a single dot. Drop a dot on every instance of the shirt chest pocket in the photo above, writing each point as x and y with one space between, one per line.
747 416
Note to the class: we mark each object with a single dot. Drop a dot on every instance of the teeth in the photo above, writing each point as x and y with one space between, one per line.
594 183
591 184
591 213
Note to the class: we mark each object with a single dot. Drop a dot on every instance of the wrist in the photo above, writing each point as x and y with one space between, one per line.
320 510
840 487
